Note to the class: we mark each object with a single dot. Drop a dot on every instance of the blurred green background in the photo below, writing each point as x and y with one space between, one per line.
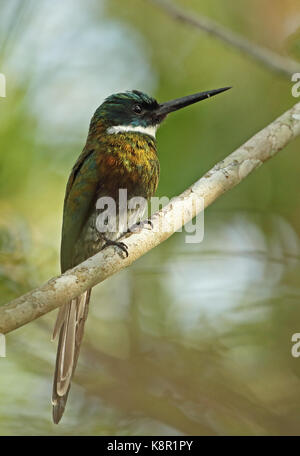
193 338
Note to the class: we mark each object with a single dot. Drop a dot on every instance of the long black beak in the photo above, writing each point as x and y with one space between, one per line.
178 103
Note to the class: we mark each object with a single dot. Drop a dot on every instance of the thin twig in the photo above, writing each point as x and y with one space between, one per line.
221 178
275 62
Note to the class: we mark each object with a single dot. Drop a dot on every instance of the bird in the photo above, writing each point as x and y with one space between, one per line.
120 153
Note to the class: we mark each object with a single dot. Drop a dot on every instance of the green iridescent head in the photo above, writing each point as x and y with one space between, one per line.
136 111
133 108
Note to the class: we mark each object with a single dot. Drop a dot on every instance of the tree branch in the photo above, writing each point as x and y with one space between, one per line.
275 62
221 178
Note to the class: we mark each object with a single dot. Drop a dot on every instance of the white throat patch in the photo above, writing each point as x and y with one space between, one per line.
139 129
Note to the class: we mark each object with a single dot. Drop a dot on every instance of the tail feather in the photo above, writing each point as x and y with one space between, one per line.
59 321
70 325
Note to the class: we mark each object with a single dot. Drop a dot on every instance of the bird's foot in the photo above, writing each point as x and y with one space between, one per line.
137 227
121 245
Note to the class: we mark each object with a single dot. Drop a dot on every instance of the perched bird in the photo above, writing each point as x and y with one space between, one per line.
120 153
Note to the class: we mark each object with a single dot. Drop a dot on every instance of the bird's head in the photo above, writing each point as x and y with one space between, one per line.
137 112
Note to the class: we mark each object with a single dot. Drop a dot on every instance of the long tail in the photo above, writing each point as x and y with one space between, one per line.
70 326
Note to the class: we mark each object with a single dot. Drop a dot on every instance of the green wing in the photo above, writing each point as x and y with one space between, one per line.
79 200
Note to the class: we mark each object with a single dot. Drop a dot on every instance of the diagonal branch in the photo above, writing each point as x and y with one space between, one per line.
221 178
271 60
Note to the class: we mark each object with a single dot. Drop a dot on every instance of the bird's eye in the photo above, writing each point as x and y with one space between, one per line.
137 109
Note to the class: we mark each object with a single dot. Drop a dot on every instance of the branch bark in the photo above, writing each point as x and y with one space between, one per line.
221 178
271 60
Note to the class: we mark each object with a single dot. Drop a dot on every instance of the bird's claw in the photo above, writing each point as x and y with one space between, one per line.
121 245
148 222
140 225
